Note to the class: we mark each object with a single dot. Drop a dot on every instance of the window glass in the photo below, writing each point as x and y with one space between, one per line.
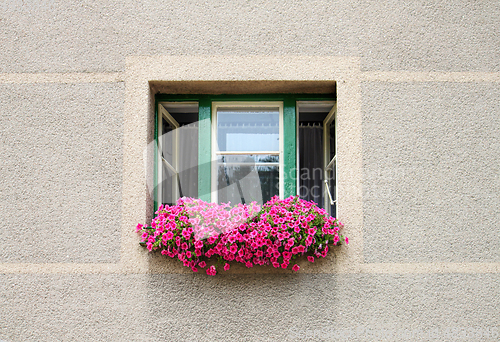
243 178
248 129
167 141
247 178
332 139
178 134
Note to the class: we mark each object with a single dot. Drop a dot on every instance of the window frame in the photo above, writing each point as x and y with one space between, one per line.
290 149
215 153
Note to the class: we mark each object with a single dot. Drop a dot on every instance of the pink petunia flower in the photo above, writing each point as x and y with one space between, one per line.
296 267
310 258
226 267
211 270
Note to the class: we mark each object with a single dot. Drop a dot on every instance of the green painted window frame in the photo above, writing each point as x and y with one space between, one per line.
205 134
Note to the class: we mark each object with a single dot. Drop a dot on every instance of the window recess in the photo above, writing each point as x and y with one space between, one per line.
243 148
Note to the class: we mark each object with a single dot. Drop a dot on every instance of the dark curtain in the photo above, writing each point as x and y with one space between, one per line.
311 162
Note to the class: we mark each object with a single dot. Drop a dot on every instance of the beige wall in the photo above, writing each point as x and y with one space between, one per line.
418 153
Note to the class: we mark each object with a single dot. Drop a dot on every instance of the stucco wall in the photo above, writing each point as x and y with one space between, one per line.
418 147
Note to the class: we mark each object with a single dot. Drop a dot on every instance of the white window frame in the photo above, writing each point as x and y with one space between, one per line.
328 163
164 114
216 153
331 116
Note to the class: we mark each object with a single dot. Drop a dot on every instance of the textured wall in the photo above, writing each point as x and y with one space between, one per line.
418 86
59 36
61 172
243 307
431 177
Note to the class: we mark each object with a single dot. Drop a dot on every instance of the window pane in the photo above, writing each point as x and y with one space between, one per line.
332 139
188 159
248 129
179 147
167 185
167 141
247 178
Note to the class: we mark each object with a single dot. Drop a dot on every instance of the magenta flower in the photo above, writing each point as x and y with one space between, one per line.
273 234
211 270
296 267
226 267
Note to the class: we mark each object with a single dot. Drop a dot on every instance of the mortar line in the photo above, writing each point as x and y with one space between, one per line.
431 76
365 268
79 77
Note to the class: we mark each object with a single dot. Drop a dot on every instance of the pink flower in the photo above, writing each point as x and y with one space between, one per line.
296 267
309 240
211 270
346 240
290 226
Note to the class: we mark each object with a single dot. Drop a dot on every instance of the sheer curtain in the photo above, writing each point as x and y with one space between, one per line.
188 160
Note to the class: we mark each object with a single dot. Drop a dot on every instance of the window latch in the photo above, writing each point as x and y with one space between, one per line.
327 186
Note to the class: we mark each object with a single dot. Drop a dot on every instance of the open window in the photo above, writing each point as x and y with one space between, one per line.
317 153
244 148
177 161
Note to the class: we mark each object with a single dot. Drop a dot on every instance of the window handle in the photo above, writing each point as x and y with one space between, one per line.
169 166
327 186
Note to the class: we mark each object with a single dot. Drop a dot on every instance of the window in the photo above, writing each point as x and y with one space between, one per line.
243 148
